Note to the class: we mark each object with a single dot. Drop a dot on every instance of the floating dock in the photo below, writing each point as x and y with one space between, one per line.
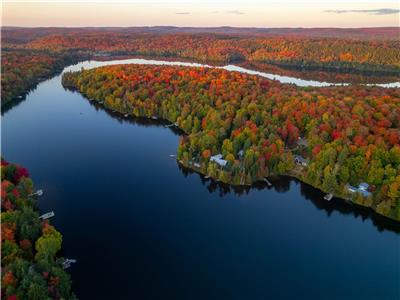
47 215
67 263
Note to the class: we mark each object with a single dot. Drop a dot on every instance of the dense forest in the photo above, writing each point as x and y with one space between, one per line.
346 55
240 128
23 69
30 266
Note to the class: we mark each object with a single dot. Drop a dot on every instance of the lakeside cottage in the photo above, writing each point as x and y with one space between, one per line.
300 160
362 189
219 160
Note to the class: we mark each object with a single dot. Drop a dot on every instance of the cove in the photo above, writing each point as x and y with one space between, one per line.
142 227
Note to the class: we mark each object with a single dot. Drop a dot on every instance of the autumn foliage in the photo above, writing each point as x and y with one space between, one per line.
352 133
324 53
29 270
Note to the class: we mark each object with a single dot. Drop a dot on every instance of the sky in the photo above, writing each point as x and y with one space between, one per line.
202 13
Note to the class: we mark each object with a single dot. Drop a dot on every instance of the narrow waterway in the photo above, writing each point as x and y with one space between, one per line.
280 78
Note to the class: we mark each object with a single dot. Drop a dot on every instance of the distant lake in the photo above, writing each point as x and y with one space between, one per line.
141 227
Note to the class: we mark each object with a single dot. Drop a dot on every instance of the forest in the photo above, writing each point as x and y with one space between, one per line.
241 128
331 54
30 264
23 69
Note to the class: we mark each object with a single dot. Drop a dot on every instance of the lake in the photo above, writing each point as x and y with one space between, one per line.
142 227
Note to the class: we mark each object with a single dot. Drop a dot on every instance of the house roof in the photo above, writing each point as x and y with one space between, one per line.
363 186
218 159
301 159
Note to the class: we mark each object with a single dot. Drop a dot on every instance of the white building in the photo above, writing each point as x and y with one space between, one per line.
219 160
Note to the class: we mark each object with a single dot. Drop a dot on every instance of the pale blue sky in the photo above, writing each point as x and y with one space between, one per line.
248 13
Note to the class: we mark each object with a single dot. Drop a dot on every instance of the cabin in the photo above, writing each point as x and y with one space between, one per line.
219 160
361 189
300 160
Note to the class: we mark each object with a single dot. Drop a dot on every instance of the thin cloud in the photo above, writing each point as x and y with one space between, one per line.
183 13
377 12
233 12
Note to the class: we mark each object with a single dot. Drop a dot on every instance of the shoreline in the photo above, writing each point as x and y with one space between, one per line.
347 200
198 169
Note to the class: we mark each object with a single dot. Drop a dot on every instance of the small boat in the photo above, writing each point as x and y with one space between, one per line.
328 197
154 117
126 115
206 177
172 155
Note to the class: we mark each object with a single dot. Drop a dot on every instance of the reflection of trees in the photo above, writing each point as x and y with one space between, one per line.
146 122
282 184
11 104
346 208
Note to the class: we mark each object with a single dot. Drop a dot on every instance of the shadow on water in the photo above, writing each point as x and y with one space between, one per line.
129 119
282 184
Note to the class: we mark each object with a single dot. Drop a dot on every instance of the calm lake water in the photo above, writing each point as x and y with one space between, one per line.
143 228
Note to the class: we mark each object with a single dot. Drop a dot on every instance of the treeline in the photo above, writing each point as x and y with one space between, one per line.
22 70
348 135
330 54
30 266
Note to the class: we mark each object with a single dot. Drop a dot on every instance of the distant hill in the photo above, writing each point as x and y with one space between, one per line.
24 34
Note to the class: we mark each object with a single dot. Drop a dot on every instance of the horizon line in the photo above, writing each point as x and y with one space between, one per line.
204 27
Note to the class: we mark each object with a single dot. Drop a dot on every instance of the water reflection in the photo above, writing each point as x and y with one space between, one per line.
282 184
15 102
